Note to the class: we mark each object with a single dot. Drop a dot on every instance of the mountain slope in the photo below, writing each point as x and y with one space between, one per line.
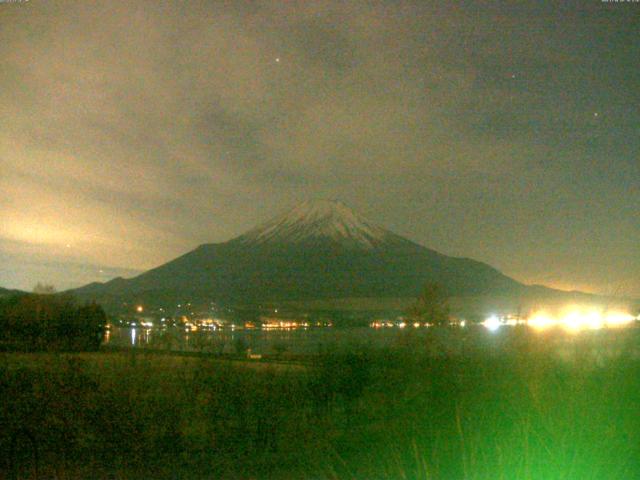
316 250
4 292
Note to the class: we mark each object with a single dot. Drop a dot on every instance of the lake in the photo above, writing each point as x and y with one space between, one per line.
599 344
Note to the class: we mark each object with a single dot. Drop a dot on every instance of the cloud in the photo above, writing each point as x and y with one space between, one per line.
137 130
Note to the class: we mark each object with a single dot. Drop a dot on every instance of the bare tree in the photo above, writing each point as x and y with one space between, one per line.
431 306
44 289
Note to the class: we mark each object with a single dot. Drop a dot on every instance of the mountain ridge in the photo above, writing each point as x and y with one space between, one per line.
316 250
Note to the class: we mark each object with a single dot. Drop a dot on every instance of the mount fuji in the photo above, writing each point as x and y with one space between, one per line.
317 250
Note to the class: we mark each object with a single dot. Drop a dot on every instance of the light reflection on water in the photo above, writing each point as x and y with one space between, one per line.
298 341
137 337
318 340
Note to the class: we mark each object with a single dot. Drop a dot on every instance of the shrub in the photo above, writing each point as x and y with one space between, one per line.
33 322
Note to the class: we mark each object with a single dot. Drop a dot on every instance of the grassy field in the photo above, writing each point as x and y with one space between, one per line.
513 414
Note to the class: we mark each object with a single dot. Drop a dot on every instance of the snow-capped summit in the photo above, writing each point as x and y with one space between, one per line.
317 220
317 250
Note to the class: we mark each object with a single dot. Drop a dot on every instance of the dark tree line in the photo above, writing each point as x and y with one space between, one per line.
431 306
34 322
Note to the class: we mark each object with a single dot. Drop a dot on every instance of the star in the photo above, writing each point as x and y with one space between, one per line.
595 114
277 59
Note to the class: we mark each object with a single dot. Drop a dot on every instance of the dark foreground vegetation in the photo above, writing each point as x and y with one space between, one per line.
36 322
518 413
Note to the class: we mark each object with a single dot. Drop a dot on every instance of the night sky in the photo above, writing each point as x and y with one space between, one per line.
131 132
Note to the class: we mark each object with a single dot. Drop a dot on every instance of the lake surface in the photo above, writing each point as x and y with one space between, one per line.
296 341
599 344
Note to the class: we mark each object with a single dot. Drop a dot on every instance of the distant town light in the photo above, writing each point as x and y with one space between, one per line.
573 321
540 321
576 319
617 319
492 323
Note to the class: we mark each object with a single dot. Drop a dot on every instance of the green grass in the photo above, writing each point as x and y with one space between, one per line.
518 413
